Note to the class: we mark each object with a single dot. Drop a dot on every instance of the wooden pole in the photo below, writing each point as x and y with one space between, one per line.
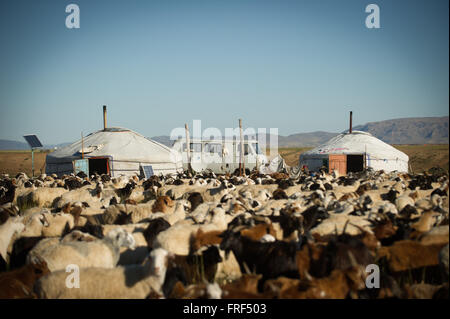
242 161
188 147
82 146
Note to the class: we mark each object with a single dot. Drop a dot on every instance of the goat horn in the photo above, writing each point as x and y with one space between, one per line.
247 270
359 227
352 259
345 226
308 276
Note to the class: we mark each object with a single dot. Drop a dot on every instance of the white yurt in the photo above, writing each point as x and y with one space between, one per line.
354 151
115 151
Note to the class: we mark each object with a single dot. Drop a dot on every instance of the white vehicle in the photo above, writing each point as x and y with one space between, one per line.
220 156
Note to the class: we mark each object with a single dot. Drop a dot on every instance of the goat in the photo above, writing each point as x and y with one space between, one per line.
270 259
19 283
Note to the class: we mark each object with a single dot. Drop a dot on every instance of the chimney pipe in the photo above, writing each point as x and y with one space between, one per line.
104 117
350 130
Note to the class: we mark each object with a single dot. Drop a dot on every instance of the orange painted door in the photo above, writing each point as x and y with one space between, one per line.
338 162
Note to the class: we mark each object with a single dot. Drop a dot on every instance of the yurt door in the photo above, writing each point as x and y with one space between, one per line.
338 162
99 165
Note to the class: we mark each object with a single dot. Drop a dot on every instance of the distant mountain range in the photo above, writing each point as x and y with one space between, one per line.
421 130
15 145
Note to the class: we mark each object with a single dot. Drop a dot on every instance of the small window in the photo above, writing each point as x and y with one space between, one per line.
196 147
246 149
256 147
213 148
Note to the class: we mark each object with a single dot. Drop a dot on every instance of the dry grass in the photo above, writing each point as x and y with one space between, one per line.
13 162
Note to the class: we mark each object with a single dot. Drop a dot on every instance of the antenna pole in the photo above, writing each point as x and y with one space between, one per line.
242 161
104 117
188 147
351 115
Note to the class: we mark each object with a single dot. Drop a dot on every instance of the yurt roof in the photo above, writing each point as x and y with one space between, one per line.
357 142
120 143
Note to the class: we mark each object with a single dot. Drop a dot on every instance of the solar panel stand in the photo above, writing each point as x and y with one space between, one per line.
34 142
32 162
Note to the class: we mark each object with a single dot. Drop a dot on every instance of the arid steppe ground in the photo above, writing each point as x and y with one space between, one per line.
421 157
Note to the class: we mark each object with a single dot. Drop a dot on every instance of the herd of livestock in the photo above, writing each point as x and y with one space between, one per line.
316 235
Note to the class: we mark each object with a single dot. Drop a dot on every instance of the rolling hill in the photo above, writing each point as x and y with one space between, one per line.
423 130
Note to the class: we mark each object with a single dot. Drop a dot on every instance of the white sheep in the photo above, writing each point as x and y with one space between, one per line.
133 281
94 253
7 230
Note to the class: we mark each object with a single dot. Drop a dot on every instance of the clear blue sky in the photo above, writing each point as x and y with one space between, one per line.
296 65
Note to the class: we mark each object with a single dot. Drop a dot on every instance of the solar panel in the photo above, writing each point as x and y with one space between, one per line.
32 140
148 171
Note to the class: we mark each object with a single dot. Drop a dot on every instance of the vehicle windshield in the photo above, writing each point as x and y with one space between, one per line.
256 147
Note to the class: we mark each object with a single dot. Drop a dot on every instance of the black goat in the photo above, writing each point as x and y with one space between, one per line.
72 183
272 259
153 229
125 192
195 199
313 216
341 252
8 191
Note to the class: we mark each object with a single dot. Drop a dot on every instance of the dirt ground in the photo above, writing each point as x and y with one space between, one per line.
421 158
13 162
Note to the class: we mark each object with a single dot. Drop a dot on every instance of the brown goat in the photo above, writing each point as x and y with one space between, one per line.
202 238
245 287
258 231
338 285
162 204
19 283
408 254
309 254
384 229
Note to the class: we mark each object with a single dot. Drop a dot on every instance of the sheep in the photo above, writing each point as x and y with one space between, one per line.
86 253
123 282
181 208
19 283
176 239
40 197
58 224
8 229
